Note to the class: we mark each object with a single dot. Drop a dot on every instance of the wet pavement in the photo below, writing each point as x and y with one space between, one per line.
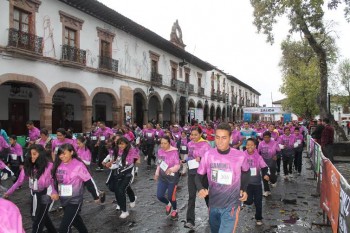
292 207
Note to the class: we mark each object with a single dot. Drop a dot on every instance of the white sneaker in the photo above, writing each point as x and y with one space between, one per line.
267 193
146 157
286 177
291 176
274 185
118 207
4 176
132 204
124 214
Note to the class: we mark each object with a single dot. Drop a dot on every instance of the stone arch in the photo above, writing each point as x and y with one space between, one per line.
87 101
212 112
141 92
156 95
107 91
200 104
167 96
218 113
192 103
20 78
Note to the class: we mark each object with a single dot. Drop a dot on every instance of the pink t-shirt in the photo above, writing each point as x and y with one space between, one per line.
85 155
268 150
224 176
10 217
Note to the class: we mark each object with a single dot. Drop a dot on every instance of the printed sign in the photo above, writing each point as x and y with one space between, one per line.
344 209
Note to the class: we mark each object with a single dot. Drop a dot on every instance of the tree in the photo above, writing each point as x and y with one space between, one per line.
300 78
306 17
344 77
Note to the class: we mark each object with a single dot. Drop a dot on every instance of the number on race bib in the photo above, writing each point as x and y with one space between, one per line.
66 190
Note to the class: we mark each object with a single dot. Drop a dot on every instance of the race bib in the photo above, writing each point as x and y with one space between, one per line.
258 134
183 147
157 133
281 146
94 138
163 166
13 156
247 137
273 139
296 145
222 177
33 184
299 141
149 135
65 190
177 136
102 138
56 149
253 171
192 164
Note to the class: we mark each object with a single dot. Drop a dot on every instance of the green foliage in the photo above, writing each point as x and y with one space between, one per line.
344 79
301 82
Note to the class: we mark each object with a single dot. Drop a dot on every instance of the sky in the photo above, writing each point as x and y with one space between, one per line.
222 33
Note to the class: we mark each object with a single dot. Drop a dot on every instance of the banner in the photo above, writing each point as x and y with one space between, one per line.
344 209
262 110
247 117
199 114
330 191
128 114
287 117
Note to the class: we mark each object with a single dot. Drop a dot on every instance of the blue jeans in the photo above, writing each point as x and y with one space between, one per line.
162 188
223 220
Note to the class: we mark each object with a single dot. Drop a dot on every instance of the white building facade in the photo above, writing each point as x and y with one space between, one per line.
68 63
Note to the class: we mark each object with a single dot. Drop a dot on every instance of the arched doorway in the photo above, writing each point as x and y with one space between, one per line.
218 113
139 108
234 115
102 108
191 111
212 112
224 114
182 110
154 108
168 110
206 111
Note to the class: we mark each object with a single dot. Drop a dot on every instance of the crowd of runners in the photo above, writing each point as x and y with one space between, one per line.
230 165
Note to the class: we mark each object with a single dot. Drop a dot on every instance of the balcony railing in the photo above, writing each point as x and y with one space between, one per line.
108 64
214 95
200 91
73 54
178 85
190 88
156 79
220 97
26 41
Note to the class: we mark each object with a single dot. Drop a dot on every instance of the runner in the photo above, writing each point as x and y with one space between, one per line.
247 133
71 176
298 148
103 133
183 152
149 142
46 141
228 174
37 169
60 140
254 190
10 217
196 149
83 151
167 176
286 143
33 133
268 149
15 158
122 174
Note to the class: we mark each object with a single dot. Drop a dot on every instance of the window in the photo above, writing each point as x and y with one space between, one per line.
187 74
174 67
21 20
70 37
105 49
154 61
199 79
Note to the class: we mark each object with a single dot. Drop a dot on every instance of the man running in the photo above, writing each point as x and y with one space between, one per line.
228 174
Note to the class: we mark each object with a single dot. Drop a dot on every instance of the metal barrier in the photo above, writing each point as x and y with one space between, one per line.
332 187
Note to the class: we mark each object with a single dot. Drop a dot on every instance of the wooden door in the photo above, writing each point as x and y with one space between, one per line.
18 116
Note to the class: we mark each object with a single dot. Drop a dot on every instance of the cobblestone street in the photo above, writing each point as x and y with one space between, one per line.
292 207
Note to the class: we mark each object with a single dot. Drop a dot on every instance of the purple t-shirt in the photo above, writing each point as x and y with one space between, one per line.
71 177
56 143
197 149
287 141
34 134
171 159
85 155
133 154
256 163
3 143
224 176
268 150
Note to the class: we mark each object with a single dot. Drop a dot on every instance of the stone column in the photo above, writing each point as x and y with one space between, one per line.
87 116
172 117
118 112
115 114
46 116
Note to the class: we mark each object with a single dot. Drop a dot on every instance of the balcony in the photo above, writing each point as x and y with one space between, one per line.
178 85
109 64
156 79
190 88
73 56
200 91
234 99
220 96
214 95
24 42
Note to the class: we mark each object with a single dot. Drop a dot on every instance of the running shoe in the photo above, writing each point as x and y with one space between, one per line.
274 185
174 215
291 176
118 207
146 157
4 176
267 193
167 209
259 222
132 204
189 225
124 214
286 177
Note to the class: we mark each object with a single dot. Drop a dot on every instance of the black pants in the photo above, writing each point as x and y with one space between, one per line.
150 153
298 160
94 151
15 169
71 217
273 178
102 153
278 163
255 195
122 187
192 193
287 164
42 219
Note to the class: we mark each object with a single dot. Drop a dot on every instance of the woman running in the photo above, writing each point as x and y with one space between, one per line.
71 176
83 151
37 169
167 176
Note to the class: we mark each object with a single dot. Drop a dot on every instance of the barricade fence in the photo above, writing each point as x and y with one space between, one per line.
333 188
